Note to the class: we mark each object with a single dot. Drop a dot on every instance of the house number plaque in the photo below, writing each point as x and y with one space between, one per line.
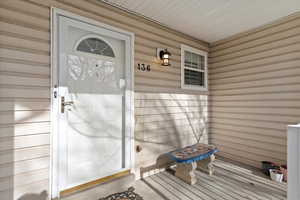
143 67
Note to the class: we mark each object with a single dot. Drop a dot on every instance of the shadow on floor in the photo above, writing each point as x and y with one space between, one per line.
32 196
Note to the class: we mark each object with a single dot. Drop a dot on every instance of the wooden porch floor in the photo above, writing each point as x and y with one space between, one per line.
229 182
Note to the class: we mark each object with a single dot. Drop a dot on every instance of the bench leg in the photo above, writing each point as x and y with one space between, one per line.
206 165
186 172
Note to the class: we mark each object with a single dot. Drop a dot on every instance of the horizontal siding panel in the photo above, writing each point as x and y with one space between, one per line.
169 103
289 88
258 63
246 160
259 56
191 117
24 117
250 123
261 149
24 92
15 17
249 130
10 156
265 75
13 130
156 82
20 142
257 104
255 97
11 169
167 124
27 68
26 81
27 56
248 154
249 136
8 39
157 74
24 105
259 111
24 7
168 110
24 32
295 79
168 96
23 179
166 132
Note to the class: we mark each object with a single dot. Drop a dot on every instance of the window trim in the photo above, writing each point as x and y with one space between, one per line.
196 51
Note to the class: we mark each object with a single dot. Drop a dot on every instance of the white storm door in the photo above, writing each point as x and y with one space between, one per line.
93 83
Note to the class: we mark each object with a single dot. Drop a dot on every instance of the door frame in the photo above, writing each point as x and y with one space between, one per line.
54 152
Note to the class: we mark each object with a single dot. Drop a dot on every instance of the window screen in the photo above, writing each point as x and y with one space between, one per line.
194 67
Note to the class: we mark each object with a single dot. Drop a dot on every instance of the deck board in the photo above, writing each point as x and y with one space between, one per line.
229 182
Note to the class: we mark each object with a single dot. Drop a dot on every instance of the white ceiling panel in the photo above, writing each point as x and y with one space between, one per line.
211 20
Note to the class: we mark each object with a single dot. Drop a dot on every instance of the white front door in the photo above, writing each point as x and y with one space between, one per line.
94 78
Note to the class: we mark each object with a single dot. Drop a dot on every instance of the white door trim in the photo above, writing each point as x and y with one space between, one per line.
54 154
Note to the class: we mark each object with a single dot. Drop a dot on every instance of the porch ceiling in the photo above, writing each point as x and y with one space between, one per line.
211 20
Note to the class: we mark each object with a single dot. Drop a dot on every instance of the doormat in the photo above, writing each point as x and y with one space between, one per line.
127 195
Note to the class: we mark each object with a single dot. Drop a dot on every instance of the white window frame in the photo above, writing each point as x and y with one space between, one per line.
196 51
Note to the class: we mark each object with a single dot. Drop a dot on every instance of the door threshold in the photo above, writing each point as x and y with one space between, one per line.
94 183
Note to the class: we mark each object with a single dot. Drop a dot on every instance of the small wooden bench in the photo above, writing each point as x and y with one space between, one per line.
188 159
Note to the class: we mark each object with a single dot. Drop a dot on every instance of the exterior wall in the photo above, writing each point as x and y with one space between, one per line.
254 87
162 119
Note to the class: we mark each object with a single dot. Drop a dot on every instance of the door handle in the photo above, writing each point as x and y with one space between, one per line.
65 103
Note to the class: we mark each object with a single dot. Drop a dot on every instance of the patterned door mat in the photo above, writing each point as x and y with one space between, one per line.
127 195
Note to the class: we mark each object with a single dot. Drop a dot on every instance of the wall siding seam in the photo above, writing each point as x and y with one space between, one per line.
24 62
279 122
241 68
31 87
14 9
249 153
251 93
24 49
258 86
252 47
246 126
253 60
24 37
23 74
24 24
253 113
252 73
249 133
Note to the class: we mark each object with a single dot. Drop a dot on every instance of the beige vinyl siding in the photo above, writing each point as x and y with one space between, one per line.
25 87
254 91
164 122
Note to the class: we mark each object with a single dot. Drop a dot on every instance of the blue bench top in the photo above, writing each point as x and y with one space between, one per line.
193 153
